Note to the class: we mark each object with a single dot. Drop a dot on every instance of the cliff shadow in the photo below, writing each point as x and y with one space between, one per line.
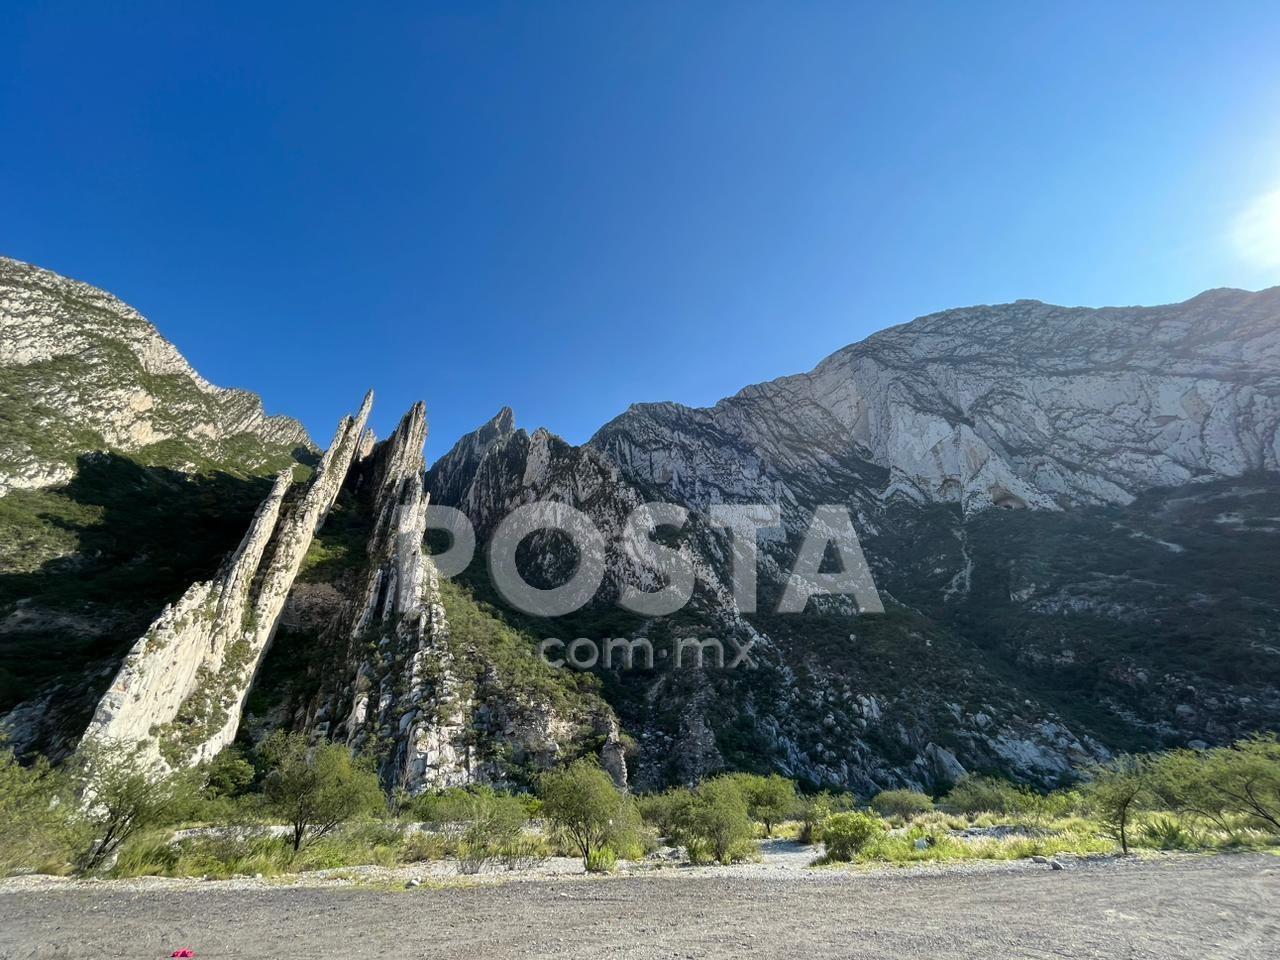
85 567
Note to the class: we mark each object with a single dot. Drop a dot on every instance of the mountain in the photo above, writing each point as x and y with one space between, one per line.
1071 517
84 372
124 477
178 569
1125 596
1018 405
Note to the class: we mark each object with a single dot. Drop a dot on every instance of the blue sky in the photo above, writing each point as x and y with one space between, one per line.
568 208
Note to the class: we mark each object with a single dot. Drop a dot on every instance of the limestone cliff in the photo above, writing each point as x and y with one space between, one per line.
181 688
435 705
1119 428
1021 404
1133 602
81 372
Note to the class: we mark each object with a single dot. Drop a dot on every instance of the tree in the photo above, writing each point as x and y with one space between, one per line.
1246 776
769 799
228 774
1116 790
583 803
122 791
719 822
668 811
814 810
901 803
314 789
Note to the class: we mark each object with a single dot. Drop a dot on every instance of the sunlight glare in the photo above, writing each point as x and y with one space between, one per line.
1257 231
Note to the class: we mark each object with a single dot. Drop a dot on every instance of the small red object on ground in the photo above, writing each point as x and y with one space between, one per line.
184 952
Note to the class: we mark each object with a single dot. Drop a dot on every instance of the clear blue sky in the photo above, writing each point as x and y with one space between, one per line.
571 207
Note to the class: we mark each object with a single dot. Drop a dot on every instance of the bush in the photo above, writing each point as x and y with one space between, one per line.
589 811
229 774
815 809
666 812
495 823
717 824
901 803
845 835
1168 833
36 831
602 860
418 846
769 799
122 793
1245 778
314 789
975 794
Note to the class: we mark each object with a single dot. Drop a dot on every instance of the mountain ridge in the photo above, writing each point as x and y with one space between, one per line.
1127 444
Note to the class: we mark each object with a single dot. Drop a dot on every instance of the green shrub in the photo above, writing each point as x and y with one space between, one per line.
315 789
219 853
601 860
770 799
1167 833
494 824
813 810
123 793
228 774
1116 792
717 824
36 831
154 854
523 852
588 811
901 803
417 846
974 794
1224 783
845 835
667 811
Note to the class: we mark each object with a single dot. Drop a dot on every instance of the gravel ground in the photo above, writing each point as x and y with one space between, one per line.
1169 907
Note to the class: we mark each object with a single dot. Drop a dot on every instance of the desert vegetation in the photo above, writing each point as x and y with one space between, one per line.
291 805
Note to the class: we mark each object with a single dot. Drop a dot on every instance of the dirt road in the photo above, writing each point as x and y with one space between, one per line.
1201 908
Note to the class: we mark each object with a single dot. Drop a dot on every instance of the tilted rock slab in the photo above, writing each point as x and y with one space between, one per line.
180 691
406 705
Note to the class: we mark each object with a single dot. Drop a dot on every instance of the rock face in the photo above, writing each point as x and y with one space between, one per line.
1023 404
403 703
1020 661
1128 596
81 371
181 689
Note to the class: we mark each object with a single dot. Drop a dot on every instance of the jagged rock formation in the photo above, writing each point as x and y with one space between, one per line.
1134 603
181 688
414 701
80 372
917 430
402 705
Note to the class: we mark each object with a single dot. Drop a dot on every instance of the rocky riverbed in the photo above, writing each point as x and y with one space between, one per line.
1167 907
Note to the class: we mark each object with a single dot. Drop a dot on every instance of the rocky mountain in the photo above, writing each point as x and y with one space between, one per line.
1020 405
1071 517
1127 446
159 537
83 373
